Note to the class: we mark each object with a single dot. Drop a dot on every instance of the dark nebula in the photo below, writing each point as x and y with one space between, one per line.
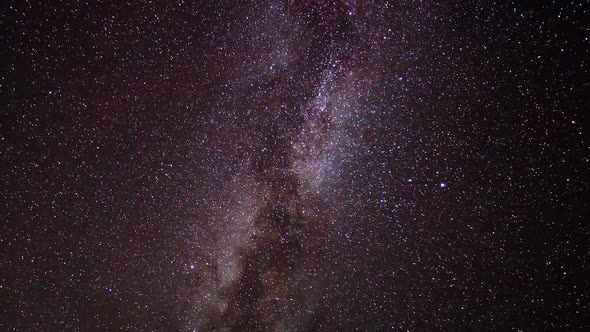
294 165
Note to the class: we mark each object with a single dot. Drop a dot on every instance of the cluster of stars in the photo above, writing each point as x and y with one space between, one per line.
294 166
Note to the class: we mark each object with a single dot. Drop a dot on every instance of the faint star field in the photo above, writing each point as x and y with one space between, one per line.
315 165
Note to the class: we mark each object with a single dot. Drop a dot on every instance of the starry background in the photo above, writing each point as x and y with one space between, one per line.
294 165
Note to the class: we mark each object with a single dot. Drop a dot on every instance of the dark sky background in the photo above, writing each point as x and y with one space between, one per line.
294 165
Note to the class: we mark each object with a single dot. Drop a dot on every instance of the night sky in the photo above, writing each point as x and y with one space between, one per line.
294 165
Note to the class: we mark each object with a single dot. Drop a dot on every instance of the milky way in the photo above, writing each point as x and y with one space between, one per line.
294 166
